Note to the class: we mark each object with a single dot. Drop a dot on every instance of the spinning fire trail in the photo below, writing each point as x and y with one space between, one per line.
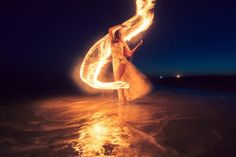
98 55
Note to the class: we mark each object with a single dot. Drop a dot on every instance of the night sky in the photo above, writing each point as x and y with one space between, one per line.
42 40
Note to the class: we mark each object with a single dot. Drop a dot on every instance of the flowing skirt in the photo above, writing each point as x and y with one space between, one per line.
139 84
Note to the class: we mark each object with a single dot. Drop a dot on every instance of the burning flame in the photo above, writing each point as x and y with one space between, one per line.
98 55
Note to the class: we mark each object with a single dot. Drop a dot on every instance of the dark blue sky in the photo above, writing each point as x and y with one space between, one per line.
43 39
193 37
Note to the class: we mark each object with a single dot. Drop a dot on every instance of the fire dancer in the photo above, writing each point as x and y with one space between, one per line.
120 53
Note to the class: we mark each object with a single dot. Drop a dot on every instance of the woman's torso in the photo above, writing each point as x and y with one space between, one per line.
117 50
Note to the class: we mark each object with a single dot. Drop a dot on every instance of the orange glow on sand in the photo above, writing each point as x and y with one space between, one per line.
98 55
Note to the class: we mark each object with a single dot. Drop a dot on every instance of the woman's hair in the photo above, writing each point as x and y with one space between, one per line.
117 36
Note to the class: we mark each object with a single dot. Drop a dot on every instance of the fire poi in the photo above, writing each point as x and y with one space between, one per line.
113 48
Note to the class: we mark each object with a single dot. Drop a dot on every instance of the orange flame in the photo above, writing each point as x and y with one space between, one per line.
97 57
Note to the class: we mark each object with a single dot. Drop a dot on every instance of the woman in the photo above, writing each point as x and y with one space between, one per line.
120 52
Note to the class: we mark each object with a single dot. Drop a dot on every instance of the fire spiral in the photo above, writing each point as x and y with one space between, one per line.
98 55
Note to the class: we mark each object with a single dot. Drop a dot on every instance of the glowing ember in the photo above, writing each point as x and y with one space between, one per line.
98 55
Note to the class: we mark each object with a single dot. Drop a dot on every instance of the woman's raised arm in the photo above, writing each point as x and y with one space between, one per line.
129 52
113 29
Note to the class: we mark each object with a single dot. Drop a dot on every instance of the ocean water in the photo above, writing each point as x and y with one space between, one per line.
167 123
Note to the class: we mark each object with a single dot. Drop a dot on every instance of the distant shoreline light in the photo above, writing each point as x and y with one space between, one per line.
178 76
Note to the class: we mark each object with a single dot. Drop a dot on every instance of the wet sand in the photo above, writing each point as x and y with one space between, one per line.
180 123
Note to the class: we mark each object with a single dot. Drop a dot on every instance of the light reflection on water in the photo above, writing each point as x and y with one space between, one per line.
102 133
91 126
97 126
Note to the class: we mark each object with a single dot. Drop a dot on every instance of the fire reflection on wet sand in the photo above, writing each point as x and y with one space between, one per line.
101 127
